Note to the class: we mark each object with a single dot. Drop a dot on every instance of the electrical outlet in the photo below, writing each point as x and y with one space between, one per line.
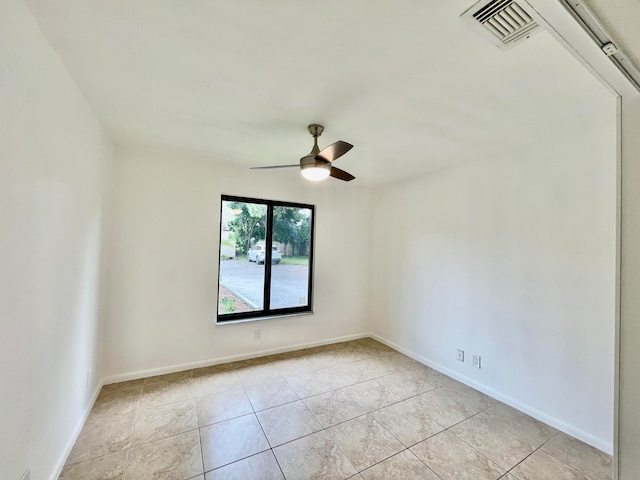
257 334
26 475
477 361
460 355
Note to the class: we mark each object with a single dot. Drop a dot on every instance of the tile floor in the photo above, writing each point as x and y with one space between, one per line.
356 410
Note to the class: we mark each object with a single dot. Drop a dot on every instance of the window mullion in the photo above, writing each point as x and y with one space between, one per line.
267 259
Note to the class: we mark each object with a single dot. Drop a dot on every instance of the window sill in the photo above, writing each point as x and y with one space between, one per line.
260 319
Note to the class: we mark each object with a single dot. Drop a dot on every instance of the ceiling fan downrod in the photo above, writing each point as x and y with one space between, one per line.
315 130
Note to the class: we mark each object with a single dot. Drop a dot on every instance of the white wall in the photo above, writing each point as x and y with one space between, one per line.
53 156
514 260
164 260
629 367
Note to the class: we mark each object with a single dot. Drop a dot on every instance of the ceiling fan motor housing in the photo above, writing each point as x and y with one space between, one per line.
314 168
311 161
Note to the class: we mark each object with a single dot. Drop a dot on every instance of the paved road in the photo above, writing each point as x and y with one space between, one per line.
246 280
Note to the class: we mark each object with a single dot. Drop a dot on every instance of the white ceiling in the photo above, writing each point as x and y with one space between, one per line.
406 81
621 20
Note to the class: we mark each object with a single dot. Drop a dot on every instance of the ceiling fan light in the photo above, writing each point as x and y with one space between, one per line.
316 172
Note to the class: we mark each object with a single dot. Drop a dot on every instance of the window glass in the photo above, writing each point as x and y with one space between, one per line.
241 287
291 235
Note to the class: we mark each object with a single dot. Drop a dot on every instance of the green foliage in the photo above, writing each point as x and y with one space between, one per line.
284 220
228 305
250 222
227 243
292 226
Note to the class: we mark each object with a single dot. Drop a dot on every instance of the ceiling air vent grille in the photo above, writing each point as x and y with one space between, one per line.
504 22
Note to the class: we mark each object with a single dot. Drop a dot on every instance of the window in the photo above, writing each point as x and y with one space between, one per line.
266 258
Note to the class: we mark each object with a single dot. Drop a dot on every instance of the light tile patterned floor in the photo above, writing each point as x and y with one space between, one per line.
356 410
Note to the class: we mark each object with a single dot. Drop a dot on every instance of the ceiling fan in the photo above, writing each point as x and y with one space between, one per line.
317 165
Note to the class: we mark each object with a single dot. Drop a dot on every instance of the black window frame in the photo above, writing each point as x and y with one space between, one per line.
267 311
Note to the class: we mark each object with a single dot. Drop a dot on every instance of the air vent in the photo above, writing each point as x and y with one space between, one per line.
504 22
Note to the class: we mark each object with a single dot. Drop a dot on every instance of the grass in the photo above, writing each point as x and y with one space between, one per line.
286 260
290 260
238 258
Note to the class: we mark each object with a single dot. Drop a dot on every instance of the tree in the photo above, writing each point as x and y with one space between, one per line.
284 224
292 226
249 222
304 234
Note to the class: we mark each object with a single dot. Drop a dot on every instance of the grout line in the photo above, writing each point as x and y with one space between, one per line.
525 458
551 455
278 463
263 432
199 436
560 460
201 448
135 420
342 450
164 438
404 449
235 461
250 402
239 460
507 470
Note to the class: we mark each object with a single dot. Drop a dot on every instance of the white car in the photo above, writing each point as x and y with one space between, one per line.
257 254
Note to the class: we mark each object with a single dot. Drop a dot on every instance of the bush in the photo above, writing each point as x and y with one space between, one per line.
228 305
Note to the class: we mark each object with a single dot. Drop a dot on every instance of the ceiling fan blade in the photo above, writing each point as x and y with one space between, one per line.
335 150
341 174
274 166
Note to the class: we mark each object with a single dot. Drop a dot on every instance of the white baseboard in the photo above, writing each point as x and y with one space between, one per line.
230 358
76 432
598 443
